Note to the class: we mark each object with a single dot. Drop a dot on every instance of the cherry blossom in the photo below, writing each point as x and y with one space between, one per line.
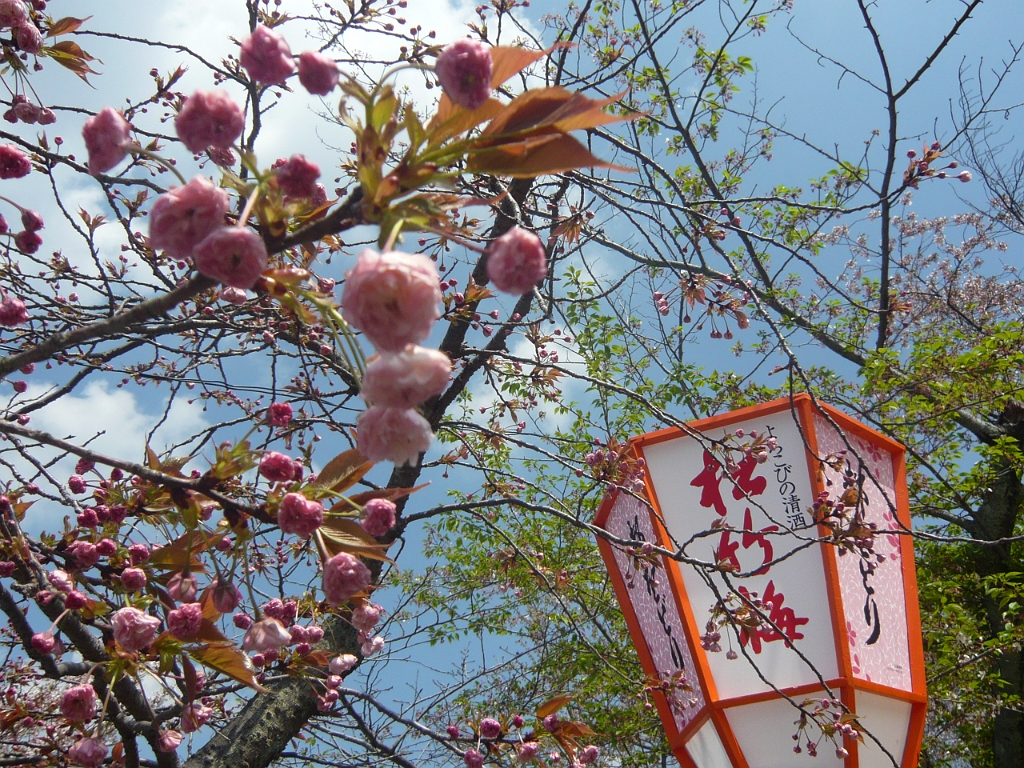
464 71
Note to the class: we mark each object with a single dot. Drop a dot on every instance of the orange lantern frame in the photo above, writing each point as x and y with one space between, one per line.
846 684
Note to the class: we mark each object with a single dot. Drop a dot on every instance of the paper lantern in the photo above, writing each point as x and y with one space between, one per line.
800 624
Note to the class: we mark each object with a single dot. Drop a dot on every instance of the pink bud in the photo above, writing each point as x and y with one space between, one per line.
43 642
209 119
106 139
265 635
464 70
225 596
14 164
183 587
265 55
516 261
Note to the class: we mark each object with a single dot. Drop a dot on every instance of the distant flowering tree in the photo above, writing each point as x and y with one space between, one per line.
517 310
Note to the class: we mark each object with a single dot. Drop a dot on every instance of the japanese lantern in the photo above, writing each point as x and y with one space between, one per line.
788 624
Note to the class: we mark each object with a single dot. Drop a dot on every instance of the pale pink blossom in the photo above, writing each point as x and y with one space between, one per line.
12 311
516 261
392 298
317 73
299 515
366 616
528 751
589 754
406 379
266 634
60 580
490 728
234 296
185 621
209 119
378 516
279 414
344 576
13 13
265 55
339 665
464 71
43 642
106 139
90 752
85 553
964 176
168 741
277 467
78 704
194 716
133 579
133 629
236 256
184 216
372 646
297 176
29 38
392 434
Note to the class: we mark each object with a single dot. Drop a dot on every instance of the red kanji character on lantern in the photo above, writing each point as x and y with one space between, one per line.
778 615
743 481
710 481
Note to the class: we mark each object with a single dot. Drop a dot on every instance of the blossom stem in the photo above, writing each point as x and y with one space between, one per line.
248 207
137 149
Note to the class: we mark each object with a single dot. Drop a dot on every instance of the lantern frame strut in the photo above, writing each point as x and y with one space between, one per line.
849 685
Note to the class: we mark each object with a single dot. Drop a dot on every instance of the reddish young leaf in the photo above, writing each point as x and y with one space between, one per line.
65 26
341 535
229 660
551 153
551 110
552 705
344 471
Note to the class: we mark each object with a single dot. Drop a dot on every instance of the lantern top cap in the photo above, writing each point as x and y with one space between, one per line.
801 402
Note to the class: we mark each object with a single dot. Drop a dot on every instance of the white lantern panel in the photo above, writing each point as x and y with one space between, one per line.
888 720
706 748
655 607
762 504
764 732
874 596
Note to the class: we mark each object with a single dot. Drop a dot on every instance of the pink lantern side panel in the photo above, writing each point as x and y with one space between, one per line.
655 608
873 592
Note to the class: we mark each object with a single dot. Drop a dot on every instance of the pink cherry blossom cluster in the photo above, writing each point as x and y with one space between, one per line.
393 298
